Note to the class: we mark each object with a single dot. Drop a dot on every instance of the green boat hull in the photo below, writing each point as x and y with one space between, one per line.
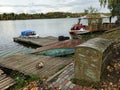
56 52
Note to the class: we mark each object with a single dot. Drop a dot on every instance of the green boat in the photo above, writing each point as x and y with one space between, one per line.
56 52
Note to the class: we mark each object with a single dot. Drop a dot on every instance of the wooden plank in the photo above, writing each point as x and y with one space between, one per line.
3 76
12 59
25 62
13 62
35 70
31 68
27 69
55 67
7 86
50 62
1 72
7 82
32 61
56 63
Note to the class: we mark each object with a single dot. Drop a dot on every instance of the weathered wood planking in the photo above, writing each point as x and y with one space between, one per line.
26 63
41 41
62 44
5 81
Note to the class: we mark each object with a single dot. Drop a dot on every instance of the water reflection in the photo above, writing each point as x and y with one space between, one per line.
43 27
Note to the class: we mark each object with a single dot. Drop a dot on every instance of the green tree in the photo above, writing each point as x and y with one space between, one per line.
114 6
92 15
91 10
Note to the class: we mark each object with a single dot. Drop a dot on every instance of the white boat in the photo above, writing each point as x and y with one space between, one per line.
95 27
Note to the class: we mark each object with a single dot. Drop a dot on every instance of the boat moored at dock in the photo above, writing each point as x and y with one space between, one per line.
94 27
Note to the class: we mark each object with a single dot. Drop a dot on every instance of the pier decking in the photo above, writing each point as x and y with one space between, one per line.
26 63
5 81
62 44
40 41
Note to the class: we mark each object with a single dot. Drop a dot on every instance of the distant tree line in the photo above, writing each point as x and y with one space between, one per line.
49 15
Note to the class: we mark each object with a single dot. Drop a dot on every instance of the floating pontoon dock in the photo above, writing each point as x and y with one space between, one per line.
40 41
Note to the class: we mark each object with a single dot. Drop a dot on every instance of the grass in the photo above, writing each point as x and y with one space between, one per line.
23 80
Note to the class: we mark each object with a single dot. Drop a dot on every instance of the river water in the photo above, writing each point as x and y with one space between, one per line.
43 27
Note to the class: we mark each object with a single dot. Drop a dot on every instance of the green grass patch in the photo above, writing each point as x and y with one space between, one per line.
22 80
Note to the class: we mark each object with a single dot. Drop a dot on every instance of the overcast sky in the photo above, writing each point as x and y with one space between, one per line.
43 6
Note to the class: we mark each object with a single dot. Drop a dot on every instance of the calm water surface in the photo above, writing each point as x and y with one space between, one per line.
43 27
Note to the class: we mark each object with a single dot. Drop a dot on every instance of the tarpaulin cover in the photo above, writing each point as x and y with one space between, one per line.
26 32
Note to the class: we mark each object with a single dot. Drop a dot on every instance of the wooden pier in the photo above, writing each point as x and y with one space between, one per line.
40 41
26 63
5 81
